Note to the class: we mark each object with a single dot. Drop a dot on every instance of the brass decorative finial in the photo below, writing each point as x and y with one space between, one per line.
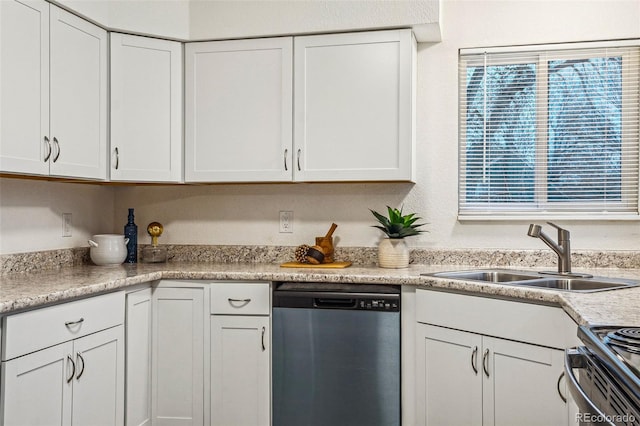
155 230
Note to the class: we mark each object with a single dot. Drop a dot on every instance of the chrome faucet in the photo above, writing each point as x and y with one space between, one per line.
562 248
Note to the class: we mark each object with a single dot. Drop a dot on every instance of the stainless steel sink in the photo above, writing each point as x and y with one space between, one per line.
492 276
580 284
539 280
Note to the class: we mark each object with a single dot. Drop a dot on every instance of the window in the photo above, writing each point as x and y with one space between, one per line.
549 131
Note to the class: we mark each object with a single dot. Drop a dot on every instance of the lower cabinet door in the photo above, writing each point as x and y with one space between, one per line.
37 388
98 384
240 358
138 359
523 384
178 356
448 377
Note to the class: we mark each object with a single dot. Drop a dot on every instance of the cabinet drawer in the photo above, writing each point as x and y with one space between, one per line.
240 298
33 330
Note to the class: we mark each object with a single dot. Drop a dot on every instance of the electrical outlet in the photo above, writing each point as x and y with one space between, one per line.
286 222
66 224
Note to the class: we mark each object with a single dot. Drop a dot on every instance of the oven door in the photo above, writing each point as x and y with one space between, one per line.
597 393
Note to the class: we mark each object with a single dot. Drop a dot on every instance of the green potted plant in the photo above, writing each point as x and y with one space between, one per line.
393 251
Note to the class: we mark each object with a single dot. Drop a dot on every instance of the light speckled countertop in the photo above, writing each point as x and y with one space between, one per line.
22 291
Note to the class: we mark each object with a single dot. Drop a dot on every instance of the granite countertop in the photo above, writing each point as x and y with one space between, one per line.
21 291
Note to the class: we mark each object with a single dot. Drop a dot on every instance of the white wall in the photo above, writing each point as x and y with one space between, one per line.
162 18
222 19
248 214
31 214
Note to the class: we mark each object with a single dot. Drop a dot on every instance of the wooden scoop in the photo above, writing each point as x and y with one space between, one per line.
330 231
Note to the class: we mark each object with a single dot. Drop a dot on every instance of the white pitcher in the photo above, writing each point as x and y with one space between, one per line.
108 249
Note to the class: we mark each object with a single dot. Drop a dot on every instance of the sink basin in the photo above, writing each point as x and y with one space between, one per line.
534 279
580 284
492 276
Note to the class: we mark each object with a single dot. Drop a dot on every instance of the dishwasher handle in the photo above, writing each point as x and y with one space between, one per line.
329 302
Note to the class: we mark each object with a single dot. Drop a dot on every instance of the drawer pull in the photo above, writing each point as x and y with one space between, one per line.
238 303
73 371
80 358
69 324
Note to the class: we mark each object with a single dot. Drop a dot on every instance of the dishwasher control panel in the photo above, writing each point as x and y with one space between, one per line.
381 304
355 297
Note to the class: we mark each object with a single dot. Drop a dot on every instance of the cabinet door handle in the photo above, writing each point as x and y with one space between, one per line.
46 157
70 324
263 331
562 397
474 360
73 371
117 158
485 362
57 145
80 358
298 158
286 153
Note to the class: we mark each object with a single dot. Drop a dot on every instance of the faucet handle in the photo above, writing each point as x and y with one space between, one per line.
563 234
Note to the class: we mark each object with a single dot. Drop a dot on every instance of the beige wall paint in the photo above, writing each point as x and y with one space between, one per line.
248 214
222 19
31 214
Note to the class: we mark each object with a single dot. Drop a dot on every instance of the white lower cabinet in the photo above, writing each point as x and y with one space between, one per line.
64 364
138 352
470 379
78 382
178 356
240 354
240 385
483 361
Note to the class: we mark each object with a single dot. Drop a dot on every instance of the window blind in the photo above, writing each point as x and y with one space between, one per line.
549 131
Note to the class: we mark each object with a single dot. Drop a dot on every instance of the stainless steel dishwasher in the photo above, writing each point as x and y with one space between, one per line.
336 354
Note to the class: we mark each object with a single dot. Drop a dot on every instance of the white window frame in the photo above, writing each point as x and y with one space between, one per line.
541 208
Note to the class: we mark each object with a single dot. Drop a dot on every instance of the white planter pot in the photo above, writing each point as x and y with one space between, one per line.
393 253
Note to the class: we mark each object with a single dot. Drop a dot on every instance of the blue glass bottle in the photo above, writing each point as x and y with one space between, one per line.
131 232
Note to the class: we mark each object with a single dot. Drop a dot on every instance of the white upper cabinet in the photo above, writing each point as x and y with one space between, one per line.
146 109
238 110
24 86
78 97
354 106
53 92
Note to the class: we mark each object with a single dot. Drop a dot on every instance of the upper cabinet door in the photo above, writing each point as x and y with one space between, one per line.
24 86
354 106
78 97
238 110
146 109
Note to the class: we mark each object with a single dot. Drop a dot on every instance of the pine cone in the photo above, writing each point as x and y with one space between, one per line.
301 253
